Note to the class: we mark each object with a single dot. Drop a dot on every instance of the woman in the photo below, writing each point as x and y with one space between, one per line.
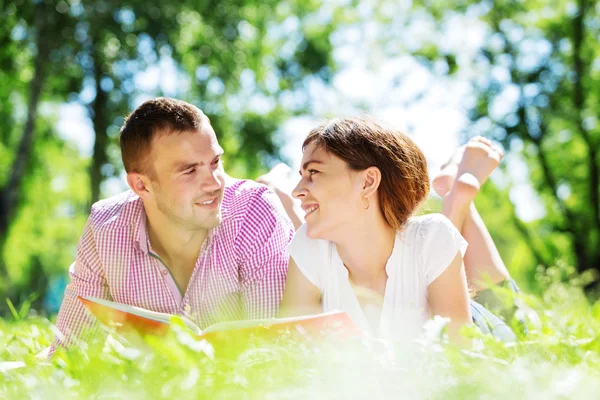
361 250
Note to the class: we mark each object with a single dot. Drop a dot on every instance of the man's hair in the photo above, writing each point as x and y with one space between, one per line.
160 116
363 143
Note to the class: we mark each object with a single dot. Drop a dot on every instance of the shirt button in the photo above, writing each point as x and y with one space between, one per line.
165 272
187 308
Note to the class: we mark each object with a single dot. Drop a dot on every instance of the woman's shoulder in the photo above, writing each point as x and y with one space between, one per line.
437 242
432 230
426 223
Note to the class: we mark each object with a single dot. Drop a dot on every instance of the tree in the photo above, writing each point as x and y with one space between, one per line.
42 23
554 116
537 93
249 62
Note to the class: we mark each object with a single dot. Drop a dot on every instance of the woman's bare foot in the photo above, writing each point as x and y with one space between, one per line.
443 181
479 159
276 177
277 180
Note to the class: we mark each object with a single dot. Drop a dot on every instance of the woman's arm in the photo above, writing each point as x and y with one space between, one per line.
300 296
449 297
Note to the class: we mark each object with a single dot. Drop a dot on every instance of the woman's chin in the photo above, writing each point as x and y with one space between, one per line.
312 231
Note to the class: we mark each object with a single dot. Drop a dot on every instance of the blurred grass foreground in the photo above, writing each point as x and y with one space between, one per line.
560 358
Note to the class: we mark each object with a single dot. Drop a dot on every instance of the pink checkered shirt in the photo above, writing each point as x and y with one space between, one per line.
240 273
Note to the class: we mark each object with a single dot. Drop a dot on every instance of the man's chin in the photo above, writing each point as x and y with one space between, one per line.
218 219
213 221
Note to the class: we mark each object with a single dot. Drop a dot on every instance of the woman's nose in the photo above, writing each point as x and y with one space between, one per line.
299 191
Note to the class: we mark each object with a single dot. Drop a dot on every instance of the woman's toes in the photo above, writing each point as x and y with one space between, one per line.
498 150
481 139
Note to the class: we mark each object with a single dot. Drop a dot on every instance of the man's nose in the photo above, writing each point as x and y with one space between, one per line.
212 183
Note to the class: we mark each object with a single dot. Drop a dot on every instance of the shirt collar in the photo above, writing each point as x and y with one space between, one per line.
141 231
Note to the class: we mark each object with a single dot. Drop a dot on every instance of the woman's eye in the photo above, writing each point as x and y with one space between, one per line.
312 171
190 172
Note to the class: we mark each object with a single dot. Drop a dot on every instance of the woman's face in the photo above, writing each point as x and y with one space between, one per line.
330 193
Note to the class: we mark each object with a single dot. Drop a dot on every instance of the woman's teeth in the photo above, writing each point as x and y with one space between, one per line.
310 209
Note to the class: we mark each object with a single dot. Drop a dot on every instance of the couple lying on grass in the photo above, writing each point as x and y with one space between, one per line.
189 240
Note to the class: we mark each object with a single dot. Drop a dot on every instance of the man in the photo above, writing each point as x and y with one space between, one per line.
186 239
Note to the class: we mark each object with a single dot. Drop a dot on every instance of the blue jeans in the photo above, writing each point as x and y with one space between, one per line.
489 323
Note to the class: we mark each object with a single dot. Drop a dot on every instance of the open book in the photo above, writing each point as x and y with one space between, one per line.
122 317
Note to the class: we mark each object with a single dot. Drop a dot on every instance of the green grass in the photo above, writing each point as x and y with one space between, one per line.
559 359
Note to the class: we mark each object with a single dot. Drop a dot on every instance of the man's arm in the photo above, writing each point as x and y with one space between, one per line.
266 232
87 279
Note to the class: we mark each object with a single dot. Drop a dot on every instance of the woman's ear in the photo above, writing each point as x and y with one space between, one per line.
372 180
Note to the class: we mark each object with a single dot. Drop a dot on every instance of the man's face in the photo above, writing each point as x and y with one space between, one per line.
187 177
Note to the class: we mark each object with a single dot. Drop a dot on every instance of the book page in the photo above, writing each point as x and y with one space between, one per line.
231 325
142 312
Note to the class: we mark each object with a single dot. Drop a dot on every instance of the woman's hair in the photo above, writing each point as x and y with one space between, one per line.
363 143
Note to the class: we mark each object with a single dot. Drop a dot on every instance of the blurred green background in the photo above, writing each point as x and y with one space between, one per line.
524 73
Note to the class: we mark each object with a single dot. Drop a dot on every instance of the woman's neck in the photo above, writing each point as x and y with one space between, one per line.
365 249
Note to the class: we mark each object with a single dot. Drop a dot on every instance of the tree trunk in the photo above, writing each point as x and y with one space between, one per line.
522 228
579 103
10 193
99 120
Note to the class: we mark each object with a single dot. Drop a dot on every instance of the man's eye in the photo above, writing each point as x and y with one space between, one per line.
190 172
312 171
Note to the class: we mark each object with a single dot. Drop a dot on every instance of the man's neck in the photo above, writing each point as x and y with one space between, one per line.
171 242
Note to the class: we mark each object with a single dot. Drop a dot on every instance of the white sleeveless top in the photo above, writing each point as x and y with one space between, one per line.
422 251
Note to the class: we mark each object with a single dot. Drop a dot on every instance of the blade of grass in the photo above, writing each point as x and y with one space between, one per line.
13 310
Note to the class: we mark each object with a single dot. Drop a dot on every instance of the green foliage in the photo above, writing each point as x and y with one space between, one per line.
42 237
243 59
552 53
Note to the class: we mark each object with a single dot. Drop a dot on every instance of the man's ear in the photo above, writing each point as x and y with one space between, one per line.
372 180
140 184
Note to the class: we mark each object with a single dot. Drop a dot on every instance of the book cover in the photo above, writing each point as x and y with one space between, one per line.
122 317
